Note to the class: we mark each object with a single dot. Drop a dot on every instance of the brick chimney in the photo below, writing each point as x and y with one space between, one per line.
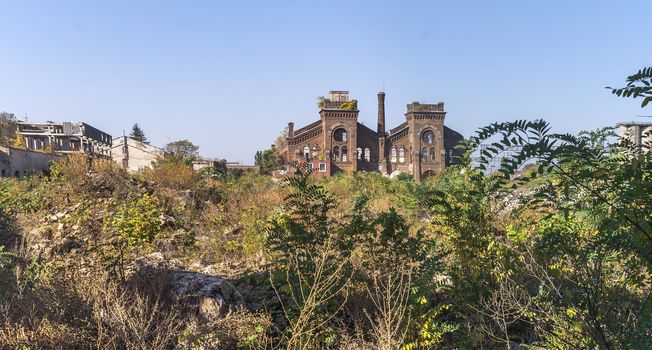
290 130
381 113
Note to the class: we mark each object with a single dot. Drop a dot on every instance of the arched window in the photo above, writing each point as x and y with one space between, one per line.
401 155
345 154
432 154
428 137
336 154
424 154
393 157
306 151
367 155
359 153
340 135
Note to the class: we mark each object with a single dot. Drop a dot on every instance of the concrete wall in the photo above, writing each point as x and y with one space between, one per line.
637 133
134 155
18 162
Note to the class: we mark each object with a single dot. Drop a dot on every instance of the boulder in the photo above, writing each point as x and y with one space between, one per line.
210 297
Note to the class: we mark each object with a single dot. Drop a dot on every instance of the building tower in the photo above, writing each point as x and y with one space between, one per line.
426 125
382 162
339 117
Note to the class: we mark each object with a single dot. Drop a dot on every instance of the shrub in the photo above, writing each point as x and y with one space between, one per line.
138 220
174 175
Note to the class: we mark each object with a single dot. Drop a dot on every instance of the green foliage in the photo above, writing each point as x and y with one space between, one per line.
267 160
431 330
592 224
349 105
311 263
137 221
558 256
8 125
19 196
638 85
305 223
138 134
586 170
182 151
5 257
320 101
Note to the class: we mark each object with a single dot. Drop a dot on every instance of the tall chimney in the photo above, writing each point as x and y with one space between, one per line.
290 130
381 113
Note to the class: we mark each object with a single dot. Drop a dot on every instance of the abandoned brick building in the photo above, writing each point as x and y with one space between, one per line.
421 146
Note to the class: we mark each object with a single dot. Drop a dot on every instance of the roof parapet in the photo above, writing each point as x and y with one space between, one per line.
423 107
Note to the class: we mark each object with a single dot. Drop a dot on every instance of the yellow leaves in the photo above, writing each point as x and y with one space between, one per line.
571 312
19 141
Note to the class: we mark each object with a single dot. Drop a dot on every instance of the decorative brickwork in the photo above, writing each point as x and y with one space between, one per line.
421 146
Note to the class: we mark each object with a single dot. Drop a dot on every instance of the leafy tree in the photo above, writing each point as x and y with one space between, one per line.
7 128
280 139
182 151
267 160
138 134
312 265
590 223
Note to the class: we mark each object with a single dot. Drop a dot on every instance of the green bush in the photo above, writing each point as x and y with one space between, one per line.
138 220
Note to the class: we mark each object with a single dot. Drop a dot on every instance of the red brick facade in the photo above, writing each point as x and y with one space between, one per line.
421 146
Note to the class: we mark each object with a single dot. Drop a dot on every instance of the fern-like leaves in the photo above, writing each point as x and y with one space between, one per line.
638 85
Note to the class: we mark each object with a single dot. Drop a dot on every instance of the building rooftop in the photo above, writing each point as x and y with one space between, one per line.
632 123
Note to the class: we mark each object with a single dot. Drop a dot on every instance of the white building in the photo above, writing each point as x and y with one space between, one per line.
134 155
65 138
639 133
16 162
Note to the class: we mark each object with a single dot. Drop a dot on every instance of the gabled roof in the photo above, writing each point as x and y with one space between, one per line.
451 138
366 128
398 128
307 128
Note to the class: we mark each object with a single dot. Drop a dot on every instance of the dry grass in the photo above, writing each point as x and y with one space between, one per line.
65 306
171 175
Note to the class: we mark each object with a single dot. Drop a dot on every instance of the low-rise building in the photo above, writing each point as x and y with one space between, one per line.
18 162
65 138
221 165
243 167
202 164
134 155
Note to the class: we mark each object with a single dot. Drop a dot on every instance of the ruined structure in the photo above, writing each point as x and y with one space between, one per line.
221 165
65 138
134 155
639 133
16 162
421 146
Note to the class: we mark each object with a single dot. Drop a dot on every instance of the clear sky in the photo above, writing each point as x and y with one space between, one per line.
229 75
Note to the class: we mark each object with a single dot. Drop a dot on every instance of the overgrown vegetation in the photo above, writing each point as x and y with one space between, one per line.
556 257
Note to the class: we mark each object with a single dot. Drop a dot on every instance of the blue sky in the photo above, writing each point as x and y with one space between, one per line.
230 75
